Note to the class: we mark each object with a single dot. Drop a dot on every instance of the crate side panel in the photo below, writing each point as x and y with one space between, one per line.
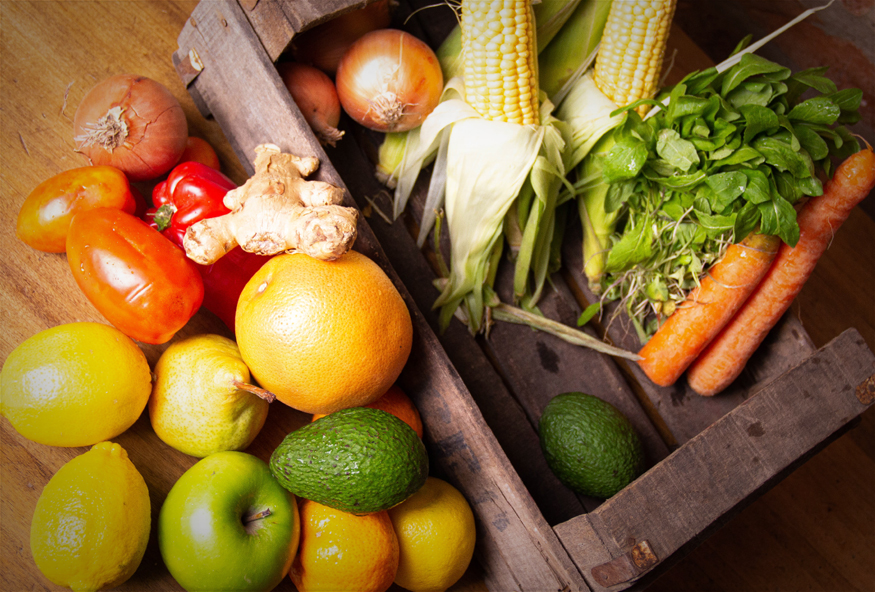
734 458
276 22
521 546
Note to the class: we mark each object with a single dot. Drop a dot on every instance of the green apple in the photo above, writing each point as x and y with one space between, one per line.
227 524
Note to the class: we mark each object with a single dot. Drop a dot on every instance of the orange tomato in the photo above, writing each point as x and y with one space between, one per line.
139 281
45 216
199 150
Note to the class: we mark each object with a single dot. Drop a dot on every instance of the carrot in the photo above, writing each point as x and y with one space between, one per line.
707 308
724 359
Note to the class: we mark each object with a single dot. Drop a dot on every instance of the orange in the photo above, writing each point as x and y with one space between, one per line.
396 402
323 335
342 551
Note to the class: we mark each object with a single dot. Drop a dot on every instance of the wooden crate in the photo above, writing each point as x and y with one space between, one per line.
481 398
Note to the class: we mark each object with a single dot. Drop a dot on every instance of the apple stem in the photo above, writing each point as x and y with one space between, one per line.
263 393
257 516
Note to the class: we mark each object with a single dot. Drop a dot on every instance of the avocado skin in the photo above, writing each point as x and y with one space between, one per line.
589 445
358 460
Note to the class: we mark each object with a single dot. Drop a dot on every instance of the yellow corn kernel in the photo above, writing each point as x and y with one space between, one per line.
629 61
500 59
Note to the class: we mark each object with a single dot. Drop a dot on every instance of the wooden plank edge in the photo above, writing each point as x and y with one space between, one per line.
520 548
673 515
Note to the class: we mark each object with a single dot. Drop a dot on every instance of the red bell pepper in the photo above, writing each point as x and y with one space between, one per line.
192 192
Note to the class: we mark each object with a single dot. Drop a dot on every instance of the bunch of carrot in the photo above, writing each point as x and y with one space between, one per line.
743 296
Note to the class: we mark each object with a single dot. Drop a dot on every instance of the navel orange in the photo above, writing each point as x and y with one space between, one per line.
323 335
396 402
341 551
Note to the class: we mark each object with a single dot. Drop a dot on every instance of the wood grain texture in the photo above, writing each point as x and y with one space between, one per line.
810 532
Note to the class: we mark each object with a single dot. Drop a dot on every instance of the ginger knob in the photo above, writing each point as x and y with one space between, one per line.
277 210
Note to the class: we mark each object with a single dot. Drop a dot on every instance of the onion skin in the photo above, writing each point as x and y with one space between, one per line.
389 81
316 97
132 123
324 45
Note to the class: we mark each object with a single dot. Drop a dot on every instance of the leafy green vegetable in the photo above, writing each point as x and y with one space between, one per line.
725 153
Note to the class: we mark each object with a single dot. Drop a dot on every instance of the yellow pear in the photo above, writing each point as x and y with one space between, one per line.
202 401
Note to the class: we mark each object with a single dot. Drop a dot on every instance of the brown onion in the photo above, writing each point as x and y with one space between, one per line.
132 123
324 45
316 97
389 81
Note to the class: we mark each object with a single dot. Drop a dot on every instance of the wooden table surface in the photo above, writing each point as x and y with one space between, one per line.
813 531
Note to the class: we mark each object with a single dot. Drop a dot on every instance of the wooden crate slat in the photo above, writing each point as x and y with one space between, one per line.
723 466
276 22
522 548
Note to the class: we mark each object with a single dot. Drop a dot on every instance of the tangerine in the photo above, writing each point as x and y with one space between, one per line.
323 335
342 551
396 402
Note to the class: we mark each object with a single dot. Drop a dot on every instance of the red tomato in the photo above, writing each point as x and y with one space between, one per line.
139 281
46 213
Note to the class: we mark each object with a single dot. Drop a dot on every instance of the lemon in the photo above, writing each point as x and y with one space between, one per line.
74 385
91 524
436 535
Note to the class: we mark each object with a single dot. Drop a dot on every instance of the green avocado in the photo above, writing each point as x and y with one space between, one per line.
589 445
358 460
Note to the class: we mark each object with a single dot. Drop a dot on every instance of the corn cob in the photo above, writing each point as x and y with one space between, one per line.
500 60
629 61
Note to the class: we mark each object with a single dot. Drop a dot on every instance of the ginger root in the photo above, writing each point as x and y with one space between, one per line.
277 211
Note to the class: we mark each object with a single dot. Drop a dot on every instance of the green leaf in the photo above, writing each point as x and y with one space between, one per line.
781 155
618 194
778 217
682 181
849 146
750 65
758 188
747 219
751 93
758 119
848 99
745 154
727 187
787 186
814 78
717 224
810 186
697 82
624 160
675 150
633 247
674 206
811 141
588 313
685 105
820 109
